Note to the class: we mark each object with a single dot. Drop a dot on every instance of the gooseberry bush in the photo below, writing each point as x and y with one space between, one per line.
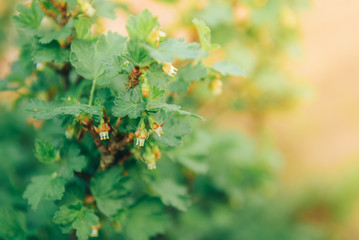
104 135
105 109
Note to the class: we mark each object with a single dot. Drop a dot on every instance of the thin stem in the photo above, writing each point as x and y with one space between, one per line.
92 91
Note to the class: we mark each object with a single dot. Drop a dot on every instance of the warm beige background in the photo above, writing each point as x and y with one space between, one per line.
321 137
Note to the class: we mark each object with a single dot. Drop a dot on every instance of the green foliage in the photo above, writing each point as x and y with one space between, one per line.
88 56
144 220
49 187
109 191
171 48
44 151
140 26
129 103
45 110
118 157
172 194
28 17
77 217
12 224
204 35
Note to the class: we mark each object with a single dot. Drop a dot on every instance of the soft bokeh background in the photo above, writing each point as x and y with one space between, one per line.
319 136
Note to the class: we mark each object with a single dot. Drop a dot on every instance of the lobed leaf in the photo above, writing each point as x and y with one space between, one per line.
171 194
171 48
44 187
109 192
129 103
43 110
77 217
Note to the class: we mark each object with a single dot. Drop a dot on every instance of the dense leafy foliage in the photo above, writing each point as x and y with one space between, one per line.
111 144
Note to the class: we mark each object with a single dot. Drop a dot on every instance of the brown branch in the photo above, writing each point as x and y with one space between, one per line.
118 123
90 129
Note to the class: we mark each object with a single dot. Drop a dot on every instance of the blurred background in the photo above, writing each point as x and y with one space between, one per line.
307 109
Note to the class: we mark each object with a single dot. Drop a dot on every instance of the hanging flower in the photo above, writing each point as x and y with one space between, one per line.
156 127
141 134
103 130
150 158
169 69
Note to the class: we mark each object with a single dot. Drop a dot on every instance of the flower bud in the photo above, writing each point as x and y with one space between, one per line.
155 36
150 159
216 87
145 88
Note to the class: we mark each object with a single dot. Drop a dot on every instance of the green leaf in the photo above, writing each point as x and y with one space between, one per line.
186 75
44 187
227 68
83 28
204 35
156 76
12 224
44 151
28 17
105 8
156 106
137 54
47 110
171 48
62 34
174 130
72 161
141 26
77 217
171 194
108 190
129 103
144 220
88 56
51 52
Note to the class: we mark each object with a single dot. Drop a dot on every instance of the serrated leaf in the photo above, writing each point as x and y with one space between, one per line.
171 48
137 53
145 220
156 76
77 217
88 56
174 130
43 110
28 17
83 28
204 35
186 75
129 103
156 106
62 34
12 224
171 194
44 187
72 161
109 192
44 151
227 68
141 26
51 52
